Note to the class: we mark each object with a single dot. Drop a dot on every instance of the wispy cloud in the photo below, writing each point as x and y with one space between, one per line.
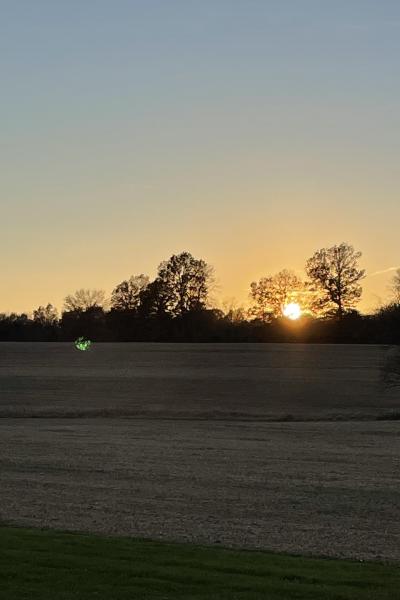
389 270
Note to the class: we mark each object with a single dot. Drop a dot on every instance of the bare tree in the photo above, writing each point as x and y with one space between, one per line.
184 283
395 287
232 311
271 294
126 296
84 300
335 275
45 315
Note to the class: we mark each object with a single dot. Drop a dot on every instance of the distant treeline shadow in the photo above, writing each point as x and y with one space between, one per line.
391 368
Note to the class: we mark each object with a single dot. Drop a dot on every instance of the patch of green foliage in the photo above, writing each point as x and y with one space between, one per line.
48 565
82 344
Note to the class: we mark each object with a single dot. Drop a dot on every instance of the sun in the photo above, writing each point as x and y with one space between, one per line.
292 311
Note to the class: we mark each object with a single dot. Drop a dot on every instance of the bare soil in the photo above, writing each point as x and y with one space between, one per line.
178 442
256 381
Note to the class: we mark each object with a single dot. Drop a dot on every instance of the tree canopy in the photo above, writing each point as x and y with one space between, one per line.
176 306
184 283
335 276
45 315
127 294
270 295
84 299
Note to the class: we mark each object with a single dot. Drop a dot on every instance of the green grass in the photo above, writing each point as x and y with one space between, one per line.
48 565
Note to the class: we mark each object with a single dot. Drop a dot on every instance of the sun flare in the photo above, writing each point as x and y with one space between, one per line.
292 311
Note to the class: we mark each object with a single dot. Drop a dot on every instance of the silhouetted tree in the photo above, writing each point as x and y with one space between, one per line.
184 283
90 323
232 312
173 307
126 296
387 324
271 294
16 327
153 300
45 315
84 299
395 287
335 275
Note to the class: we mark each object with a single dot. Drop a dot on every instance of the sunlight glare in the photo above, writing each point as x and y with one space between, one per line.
292 311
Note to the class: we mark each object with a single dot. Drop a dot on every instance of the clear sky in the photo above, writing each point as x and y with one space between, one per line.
249 132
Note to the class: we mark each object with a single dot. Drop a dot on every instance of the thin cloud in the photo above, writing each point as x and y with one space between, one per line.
389 270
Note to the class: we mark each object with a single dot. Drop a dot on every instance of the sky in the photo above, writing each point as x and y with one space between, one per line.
248 132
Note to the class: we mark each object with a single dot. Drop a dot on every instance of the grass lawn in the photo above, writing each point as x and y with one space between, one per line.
49 565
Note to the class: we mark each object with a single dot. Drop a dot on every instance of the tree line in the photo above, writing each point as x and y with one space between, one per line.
177 306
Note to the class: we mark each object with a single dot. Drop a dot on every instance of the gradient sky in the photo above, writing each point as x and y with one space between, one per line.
249 132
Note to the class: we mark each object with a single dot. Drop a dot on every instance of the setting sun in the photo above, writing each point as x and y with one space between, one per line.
292 311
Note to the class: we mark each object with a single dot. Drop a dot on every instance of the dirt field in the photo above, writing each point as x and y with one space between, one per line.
268 381
159 469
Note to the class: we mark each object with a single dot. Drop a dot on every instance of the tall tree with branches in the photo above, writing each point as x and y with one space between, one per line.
46 315
270 295
184 283
84 300
126 296
335 276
